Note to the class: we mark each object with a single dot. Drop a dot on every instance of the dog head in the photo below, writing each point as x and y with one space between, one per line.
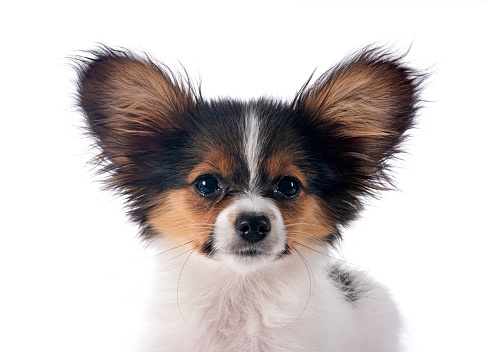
246 182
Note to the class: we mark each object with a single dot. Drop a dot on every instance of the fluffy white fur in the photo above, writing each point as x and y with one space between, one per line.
288 305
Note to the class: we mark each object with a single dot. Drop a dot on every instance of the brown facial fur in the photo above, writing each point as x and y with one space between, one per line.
308 224
218 164
186 217
305 220
156 135
183 214
281 164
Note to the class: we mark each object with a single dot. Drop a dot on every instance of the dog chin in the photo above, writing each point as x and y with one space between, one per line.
246 260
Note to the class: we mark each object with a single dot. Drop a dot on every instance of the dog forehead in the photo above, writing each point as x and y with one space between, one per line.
247 143
250 162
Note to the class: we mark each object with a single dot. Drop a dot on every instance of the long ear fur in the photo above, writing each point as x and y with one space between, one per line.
135 110
362 109
130 104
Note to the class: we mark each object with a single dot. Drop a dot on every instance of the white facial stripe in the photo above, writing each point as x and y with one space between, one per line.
254 204
252 146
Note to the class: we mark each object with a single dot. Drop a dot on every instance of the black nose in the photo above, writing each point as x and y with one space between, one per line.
252 227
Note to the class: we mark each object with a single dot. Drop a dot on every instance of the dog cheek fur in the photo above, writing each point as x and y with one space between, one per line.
182 217
308 223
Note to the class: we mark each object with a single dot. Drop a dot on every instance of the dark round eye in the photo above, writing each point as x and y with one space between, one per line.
287 186
207 185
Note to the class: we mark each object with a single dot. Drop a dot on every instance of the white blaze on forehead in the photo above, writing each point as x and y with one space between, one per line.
252 146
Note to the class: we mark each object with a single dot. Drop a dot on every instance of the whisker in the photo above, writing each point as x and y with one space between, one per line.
193 224
320 241
178 286
179 255
176 247
289 220
310 279
177 229
306 224
326 254
167 237
193 238
192 235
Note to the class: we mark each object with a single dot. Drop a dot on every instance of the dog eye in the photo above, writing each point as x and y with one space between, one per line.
287 187
207 185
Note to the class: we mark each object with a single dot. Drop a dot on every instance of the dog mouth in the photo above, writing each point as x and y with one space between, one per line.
254 250
245 257
245 249
250 252
238 248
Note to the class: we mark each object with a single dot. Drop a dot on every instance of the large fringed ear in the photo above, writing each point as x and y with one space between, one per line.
132 106
360 111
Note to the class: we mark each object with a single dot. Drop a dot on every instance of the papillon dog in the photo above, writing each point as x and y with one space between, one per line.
245 200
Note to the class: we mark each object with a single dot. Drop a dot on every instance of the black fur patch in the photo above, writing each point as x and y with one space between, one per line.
346 282
208 247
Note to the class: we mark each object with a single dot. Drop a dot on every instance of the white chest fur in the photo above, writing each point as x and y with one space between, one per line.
290 305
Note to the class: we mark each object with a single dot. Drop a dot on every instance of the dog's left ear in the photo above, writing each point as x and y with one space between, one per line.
361 110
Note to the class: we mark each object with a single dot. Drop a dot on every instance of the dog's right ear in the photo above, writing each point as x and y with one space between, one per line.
363 108
130 104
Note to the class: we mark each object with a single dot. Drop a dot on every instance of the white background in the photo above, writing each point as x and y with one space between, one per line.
65 244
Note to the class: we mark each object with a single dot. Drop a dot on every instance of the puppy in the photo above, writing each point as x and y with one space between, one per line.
244 200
